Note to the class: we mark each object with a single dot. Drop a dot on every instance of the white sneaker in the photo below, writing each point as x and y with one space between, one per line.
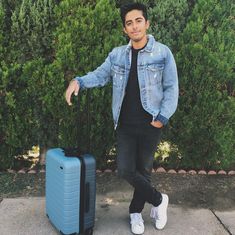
137 223
159 214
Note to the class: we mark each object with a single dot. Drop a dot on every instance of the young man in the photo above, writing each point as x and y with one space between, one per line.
145 96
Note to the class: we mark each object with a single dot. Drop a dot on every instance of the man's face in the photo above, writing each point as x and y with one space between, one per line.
135 25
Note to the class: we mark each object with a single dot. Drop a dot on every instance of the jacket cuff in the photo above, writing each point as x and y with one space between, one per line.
80 82
162 119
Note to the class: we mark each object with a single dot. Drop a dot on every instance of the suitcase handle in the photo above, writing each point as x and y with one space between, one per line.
87 196
72 152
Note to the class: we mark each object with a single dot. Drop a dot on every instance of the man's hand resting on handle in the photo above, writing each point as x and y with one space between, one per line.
72 88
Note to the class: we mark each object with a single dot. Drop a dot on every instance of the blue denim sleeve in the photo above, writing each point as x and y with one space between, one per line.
97 78
170 89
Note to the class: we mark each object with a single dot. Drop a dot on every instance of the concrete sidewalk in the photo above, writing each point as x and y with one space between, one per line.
26 216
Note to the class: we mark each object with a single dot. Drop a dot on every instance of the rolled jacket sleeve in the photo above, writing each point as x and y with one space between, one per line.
97 78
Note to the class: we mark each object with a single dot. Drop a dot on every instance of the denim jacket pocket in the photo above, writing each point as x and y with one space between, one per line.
117 74
154 73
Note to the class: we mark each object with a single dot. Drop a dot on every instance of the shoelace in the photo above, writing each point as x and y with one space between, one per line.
136 219
154 213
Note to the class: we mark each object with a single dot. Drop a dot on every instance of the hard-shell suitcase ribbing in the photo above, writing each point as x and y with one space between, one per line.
70 191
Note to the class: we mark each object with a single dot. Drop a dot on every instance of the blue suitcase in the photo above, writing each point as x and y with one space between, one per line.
70 191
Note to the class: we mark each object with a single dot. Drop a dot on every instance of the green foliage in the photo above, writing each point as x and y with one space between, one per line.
204 125
46 43
45 86
2 15
31 35
15 117
27 36
9 7
85 36
167 20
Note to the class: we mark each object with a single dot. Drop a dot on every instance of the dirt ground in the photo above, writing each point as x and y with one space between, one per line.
216 192
195 191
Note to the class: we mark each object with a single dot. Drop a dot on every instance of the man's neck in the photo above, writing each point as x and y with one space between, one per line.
140 44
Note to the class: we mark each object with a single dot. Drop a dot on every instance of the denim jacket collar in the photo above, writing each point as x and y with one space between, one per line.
149 46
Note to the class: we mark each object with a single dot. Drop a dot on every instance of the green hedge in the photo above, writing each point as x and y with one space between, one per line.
84 38
45 43
204 125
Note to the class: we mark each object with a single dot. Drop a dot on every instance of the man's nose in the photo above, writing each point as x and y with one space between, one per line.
134 25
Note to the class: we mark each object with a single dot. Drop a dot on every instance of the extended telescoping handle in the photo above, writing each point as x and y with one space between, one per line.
88 121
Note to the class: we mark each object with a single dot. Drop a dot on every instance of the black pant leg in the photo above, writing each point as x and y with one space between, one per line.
130 152
148 141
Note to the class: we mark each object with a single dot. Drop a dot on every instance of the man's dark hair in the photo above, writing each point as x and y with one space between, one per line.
124 9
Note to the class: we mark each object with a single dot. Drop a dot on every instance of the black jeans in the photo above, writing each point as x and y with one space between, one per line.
136 145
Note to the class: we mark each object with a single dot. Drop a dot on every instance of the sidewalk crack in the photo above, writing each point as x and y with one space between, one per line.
220 221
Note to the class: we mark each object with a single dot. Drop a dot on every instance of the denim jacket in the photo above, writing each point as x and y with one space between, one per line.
157 76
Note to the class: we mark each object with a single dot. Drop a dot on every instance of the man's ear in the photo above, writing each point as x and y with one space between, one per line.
147 24
124 30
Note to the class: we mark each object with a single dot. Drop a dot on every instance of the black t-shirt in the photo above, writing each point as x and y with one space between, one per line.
132 111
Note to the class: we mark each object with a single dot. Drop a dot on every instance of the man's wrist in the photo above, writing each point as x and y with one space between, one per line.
77 81
161 119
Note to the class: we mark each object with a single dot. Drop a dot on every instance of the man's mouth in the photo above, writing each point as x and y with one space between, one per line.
135 33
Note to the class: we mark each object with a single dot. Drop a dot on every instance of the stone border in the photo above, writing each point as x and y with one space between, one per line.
157 170
194 172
